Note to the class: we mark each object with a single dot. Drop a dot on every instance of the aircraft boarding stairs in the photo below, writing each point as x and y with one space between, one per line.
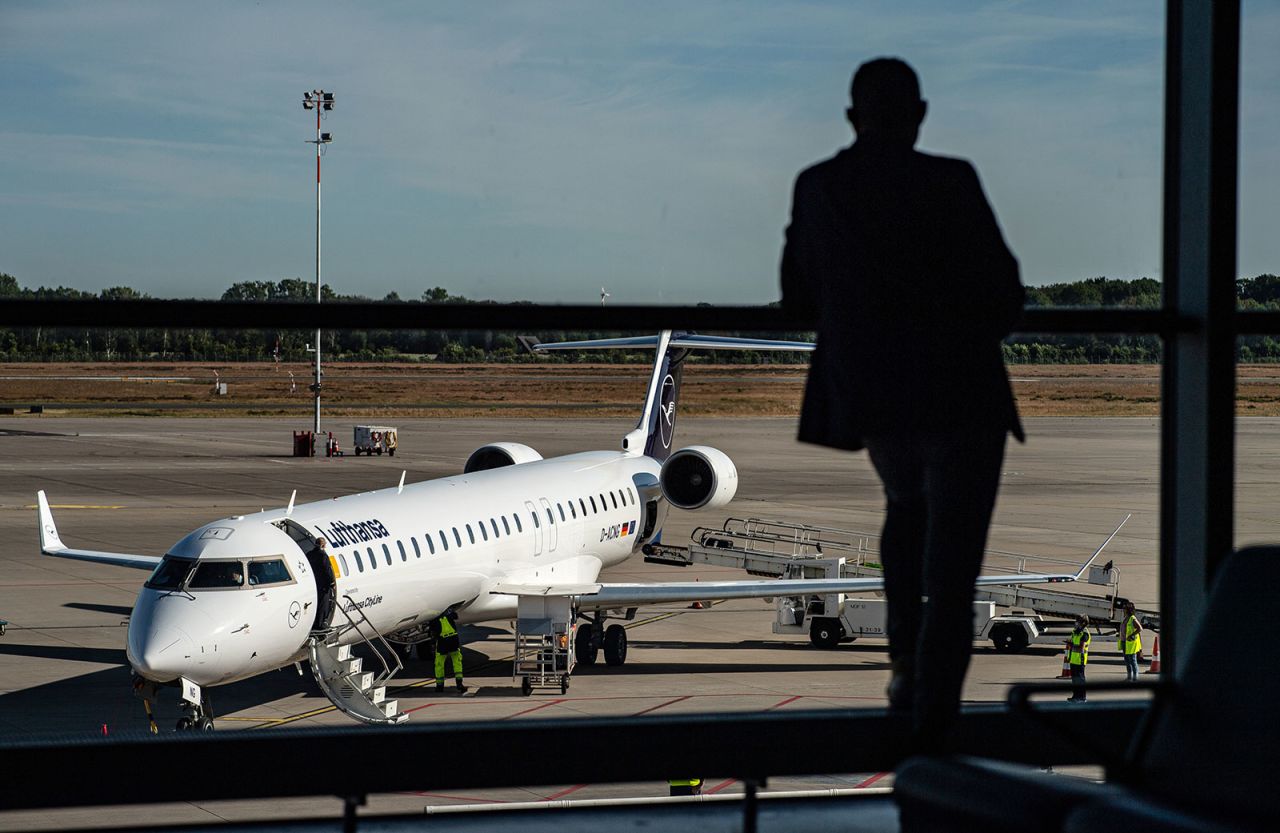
778 549
358 693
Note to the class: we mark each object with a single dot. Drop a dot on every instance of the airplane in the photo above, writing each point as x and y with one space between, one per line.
248 594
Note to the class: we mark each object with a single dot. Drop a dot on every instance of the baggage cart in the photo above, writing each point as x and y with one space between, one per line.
544 643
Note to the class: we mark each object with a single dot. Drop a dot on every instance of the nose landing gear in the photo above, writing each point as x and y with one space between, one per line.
197 717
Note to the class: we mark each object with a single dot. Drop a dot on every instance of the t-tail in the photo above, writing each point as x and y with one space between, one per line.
654 434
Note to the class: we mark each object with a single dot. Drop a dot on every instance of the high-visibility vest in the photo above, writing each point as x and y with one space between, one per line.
1131 639
1078 653
446 627
688 782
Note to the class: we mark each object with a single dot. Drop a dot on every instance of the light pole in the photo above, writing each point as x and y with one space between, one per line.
318 100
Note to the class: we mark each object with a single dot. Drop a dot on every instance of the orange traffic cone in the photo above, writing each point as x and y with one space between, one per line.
697 605
1066 666
1155 658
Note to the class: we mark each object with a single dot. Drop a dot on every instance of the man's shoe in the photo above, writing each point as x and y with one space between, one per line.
462 689
439 688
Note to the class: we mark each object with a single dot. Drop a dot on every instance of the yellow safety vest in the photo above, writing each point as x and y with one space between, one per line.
1131 640
446 627
1078 653
691 782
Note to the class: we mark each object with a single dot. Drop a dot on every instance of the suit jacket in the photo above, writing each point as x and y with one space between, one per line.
898 256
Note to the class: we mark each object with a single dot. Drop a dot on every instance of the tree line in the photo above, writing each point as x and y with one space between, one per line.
96 344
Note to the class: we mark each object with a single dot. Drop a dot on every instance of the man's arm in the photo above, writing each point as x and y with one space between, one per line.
992 284
799 293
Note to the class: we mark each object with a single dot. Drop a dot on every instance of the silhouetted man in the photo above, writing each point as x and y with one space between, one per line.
898 256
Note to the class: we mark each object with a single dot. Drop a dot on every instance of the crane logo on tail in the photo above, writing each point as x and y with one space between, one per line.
667 412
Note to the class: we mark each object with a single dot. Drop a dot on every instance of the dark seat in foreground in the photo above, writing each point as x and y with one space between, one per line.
1205 759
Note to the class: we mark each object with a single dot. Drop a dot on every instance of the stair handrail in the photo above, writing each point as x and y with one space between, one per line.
387 672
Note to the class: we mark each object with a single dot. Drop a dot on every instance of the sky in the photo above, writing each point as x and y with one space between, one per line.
543 150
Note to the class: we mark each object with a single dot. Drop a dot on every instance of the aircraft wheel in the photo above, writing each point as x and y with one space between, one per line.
615 645
584 646
825 633
526 687
203 724
1009 639
564 684
184 723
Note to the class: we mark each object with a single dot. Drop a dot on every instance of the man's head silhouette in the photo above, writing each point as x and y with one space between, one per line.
886 101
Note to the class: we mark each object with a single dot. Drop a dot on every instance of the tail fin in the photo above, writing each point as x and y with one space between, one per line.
656 428
658 422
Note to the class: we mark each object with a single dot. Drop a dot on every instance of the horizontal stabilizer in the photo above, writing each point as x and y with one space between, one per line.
51 544
686 340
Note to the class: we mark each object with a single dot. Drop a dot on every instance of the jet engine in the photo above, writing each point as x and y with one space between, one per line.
497 455
699 477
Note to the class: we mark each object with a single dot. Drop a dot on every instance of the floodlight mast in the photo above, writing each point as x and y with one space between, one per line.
318 100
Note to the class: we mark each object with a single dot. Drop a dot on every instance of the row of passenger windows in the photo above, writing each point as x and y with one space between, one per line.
619 498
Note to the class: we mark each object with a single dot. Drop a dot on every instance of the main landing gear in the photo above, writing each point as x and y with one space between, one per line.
593 635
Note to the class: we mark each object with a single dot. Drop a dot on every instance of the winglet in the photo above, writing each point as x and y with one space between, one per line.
49 540
292 498
400 488
1093 557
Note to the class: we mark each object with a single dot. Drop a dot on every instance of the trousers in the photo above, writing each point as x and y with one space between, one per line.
455 657
1077 683
1131 667
940 490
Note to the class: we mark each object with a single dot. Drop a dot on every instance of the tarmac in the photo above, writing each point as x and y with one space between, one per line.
139 484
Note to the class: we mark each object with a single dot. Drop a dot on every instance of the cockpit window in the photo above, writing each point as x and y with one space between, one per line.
268 572
171 573
217 574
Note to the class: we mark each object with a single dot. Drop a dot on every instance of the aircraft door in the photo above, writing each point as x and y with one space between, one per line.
552 526
322 567
538 524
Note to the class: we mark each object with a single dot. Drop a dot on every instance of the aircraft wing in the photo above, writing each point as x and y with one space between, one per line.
638 595
51 544
604 596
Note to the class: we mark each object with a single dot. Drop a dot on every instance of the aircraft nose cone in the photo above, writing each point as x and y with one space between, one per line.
165 654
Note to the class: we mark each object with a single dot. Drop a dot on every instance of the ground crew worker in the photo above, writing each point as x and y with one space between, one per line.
1078 658
447 646
685 786
1131 643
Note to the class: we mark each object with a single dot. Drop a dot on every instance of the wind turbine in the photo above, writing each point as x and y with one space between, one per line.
603 295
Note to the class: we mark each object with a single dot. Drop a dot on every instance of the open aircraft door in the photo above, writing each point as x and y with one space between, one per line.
323 566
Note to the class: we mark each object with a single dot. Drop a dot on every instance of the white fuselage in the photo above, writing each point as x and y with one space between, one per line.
398 557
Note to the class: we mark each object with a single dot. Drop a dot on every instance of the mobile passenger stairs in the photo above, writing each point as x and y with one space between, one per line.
777 549
356 692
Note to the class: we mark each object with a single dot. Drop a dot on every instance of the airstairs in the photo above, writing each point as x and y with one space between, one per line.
358 693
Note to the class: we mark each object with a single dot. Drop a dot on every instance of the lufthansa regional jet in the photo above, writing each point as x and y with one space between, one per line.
249 594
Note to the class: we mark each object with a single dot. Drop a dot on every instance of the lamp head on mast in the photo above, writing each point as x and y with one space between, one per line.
317 99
